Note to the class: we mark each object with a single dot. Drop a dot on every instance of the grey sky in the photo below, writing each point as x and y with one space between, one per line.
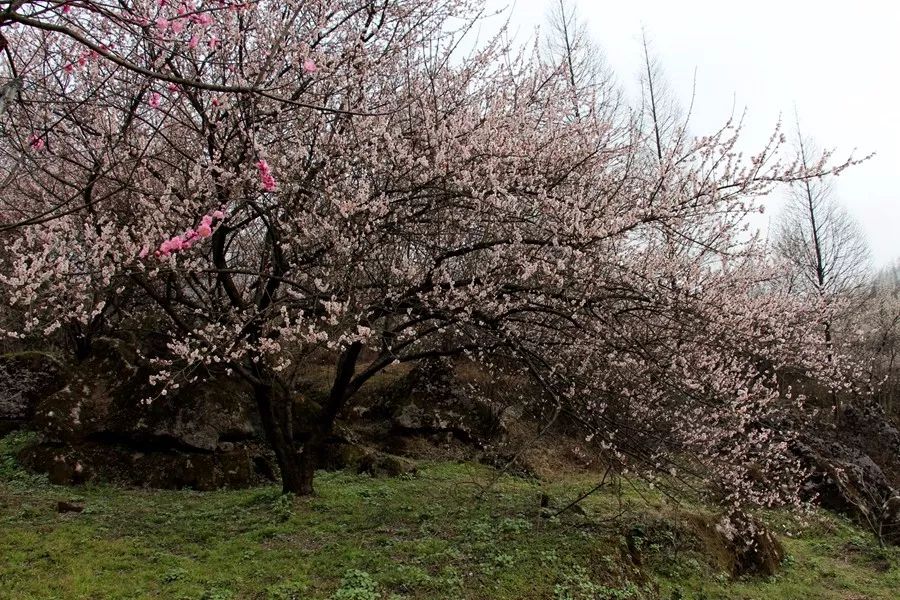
838 62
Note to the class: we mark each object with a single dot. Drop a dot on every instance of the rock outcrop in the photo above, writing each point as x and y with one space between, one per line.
26 378
432 400
107 422
854 469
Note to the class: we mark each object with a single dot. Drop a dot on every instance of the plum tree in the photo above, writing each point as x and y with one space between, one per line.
274 178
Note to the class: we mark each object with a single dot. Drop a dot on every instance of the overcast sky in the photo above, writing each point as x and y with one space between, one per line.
837 62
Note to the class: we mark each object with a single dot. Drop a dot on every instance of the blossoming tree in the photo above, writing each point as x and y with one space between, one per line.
271 178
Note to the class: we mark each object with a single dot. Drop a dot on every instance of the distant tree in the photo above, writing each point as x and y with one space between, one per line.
570 47
873 337
824 248
660 114
818 236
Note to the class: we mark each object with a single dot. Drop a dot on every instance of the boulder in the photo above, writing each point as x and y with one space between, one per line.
241 466
846 480
750 547
734 542
26 378
864 425
108 397
380 464
107 422
433 400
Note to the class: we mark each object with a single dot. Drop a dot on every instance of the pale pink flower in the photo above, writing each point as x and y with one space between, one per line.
309 66
204 231
162 24
218 215
155 100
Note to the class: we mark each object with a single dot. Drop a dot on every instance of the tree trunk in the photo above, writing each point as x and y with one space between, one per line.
297 464
297 458
80 337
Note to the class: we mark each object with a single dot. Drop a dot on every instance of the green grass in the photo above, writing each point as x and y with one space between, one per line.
423 537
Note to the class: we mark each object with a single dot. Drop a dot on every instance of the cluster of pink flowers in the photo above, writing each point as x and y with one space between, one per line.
83 59
188 238
309 66
36 142
265 176
177 23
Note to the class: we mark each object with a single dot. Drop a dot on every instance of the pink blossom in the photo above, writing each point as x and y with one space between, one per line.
155 100
144 251
193 42
309 66
202 19
177 26
36 142
265 176
176 243
162 24
188 239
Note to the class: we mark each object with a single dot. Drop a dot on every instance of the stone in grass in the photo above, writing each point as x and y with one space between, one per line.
379 464
64 506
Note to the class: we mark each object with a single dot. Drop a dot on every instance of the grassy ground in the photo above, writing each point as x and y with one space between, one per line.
423 537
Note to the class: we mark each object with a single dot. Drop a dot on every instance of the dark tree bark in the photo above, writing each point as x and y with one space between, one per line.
299 452
276 414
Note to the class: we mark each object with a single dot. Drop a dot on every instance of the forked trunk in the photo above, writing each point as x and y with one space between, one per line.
297 458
